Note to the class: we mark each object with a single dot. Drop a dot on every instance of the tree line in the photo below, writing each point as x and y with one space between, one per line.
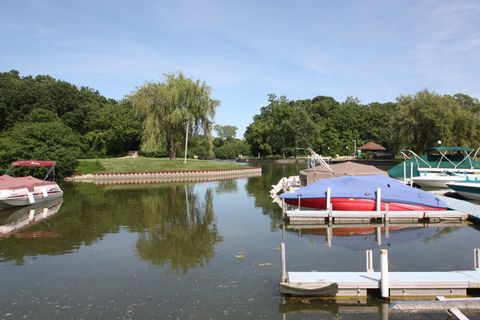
45 118
284 128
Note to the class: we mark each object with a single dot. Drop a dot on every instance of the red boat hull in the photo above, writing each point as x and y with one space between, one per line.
352 204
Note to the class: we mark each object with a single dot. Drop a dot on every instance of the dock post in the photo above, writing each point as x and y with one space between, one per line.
384 273
378 234
329 235
284 264
387 220
405 172
284 209
369 260
476 255
329 195
379 199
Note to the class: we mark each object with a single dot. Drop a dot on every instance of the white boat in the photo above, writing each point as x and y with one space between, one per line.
437 166
439 179
469 189
23 191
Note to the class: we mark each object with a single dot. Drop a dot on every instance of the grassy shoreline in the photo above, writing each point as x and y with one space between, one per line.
141 164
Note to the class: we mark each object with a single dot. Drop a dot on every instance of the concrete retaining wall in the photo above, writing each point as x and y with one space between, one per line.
166 176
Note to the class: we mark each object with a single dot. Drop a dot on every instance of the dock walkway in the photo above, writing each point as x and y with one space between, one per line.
401 284
391 284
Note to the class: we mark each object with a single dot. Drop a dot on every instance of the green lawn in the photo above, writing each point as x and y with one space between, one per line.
141 164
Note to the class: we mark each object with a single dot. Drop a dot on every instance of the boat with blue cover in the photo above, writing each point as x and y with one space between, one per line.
359 193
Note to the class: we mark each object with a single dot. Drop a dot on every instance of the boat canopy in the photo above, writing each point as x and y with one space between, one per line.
34 163
29 182
365 187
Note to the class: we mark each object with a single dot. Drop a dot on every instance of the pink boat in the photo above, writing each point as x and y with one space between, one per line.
24 191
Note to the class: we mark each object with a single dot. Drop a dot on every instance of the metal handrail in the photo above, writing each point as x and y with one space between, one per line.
319 159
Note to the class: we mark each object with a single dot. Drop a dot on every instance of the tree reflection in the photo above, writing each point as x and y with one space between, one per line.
180 230
169 233
227 186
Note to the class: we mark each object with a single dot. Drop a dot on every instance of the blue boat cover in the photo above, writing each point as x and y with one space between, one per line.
365 187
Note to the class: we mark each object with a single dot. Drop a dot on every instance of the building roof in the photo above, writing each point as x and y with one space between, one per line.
371 146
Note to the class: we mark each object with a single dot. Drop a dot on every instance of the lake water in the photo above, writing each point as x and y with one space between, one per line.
197 251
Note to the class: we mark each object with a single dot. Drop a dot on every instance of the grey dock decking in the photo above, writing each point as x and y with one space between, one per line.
472 209
390 284
450 283
322 216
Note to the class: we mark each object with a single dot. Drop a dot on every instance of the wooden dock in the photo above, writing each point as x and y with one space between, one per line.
390 284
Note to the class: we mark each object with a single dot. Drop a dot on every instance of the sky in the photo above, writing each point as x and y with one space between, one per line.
374 50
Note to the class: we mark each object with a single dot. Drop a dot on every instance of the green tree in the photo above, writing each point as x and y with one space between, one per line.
42 141
172 109
427 117
225 133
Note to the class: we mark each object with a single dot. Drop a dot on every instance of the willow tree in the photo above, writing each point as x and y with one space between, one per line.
173 109
426 118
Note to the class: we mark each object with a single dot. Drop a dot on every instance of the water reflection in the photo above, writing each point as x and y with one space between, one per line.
175 223
180 229
226 186
369 236
22 227
260 187
295 308
15 222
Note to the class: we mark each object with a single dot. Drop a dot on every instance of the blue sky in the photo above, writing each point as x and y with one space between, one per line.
374 50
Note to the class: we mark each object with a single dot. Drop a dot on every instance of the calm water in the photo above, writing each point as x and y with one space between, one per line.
196 251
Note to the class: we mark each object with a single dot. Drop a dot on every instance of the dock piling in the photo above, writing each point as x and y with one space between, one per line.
379 199
476 255
329 195
384 273
369 260
284 264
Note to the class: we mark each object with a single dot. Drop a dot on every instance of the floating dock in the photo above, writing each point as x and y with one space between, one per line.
458 210
332 216
390 284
